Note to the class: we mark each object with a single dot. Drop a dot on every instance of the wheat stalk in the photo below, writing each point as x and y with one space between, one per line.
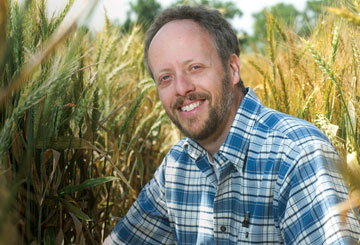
59 36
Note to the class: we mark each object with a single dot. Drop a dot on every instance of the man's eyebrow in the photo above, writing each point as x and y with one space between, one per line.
204 61
186 62
182 63
160 72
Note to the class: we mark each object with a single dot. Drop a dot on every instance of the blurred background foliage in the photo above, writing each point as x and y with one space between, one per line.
82 129
301 22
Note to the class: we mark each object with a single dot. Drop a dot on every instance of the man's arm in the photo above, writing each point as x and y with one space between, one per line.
146 222
306 198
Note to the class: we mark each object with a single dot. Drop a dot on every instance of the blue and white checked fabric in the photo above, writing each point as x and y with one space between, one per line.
278 169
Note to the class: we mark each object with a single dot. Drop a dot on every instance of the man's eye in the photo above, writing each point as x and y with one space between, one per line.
195 67
164 78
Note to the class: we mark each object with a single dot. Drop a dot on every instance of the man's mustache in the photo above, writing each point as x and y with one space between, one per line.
193 96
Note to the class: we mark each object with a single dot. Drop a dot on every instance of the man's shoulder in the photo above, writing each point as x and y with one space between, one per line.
178 152
178 147
289 127
272 123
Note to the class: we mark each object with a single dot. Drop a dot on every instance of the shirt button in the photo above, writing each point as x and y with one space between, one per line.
223 228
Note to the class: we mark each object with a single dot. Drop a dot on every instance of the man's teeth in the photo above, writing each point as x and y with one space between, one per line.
190 107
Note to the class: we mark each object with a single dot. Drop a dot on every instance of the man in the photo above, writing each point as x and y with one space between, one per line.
244 174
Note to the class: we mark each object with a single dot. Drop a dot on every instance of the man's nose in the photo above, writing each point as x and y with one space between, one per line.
184 85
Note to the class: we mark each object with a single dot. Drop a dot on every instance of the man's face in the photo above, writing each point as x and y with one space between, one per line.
194 89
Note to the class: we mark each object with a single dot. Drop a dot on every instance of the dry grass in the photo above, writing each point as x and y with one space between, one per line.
81 131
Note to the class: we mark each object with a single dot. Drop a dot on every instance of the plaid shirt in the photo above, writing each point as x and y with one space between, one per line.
277 183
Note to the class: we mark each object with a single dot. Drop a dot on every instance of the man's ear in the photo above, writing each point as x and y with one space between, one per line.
234 63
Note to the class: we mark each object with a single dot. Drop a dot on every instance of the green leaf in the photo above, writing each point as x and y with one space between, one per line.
89 183
140 165
75 210
64 143
49 236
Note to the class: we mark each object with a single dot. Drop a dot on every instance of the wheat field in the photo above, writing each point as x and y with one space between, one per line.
82 129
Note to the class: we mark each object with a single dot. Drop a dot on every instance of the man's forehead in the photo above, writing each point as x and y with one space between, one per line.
179 27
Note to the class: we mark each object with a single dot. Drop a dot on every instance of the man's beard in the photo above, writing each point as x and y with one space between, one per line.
217 112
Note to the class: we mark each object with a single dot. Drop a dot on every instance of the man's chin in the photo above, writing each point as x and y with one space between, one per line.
188 131
195 134
193 129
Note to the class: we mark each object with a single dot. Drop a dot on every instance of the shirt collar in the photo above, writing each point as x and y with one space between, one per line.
236 143
193 149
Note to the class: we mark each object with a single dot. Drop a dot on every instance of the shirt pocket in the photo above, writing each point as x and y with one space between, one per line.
259 234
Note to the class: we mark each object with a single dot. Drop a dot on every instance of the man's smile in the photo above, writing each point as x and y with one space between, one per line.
191 106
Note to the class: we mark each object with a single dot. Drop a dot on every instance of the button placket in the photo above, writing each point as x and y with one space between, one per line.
222 207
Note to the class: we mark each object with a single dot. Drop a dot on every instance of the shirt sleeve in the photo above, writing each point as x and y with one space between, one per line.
312 186
146 222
